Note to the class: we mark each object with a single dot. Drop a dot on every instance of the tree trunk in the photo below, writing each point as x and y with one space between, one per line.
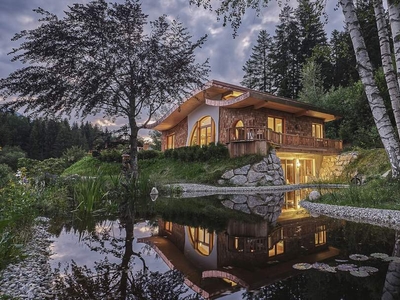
386 55
375 100
394 20
133 151
391 289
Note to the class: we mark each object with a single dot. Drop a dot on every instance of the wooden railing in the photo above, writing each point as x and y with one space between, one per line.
243 134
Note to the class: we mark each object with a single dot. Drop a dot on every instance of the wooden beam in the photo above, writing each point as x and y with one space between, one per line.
260 105
301 113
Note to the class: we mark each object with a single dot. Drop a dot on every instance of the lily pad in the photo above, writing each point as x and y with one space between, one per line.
302 266
368 269
358 257
359 273
395 259
347 267
379 255
341 260
323 267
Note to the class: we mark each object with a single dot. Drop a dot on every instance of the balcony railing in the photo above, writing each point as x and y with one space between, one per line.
250 134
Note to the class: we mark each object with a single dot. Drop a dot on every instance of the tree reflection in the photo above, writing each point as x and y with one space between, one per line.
118 280
391 289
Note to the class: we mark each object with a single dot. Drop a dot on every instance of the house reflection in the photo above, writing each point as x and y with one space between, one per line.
245 255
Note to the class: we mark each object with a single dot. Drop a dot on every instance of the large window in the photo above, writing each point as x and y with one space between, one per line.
171 141
203 132
320 235
239 130
201 240
318 131
275 124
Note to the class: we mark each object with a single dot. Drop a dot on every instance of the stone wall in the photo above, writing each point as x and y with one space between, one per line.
333 166
181 135
266 172
268 206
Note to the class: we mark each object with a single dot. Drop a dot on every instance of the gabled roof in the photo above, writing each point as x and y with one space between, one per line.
217 93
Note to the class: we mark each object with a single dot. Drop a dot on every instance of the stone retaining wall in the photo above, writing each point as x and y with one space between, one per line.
266 172
334 165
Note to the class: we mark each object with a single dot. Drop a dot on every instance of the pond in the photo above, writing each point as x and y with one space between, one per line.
271 249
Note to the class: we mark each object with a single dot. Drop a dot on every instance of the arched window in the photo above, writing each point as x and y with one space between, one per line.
201 240
203 132
239 130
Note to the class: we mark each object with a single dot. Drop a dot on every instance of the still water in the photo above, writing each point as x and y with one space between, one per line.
271 249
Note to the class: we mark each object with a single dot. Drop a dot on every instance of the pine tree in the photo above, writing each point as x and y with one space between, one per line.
286 47
258 68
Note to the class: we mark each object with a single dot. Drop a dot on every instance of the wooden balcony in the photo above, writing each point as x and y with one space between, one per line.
255 140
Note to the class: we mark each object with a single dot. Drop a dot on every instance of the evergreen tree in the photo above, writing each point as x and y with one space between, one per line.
63 139
286 47
344 71
258 68
37 141
312 82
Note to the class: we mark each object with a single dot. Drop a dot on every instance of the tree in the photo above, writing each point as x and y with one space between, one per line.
155 139
100 57
312 82
258 68
285 54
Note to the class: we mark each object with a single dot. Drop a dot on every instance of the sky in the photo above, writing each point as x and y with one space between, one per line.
226 54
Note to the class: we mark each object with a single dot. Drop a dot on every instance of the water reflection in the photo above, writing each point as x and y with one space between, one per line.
245 259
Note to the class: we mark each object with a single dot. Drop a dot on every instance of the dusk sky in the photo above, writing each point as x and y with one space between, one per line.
227 55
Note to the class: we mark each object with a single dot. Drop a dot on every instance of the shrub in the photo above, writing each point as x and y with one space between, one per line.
111 155
5 174
10 155
197 153
73 154
148 154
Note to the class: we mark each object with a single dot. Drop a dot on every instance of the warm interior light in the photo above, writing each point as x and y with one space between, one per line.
298 163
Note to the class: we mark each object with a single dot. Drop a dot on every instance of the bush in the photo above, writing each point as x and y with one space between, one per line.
111 155
73 154
148 154
197 153
5 174
10 155
37 168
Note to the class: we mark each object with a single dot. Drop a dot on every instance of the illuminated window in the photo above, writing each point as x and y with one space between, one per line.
168 226
320 235
277 249
201 240
203 132
275 124
171 141
318 131
276 244
239 130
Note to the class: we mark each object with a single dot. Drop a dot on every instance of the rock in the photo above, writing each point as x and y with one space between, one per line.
154 191
242 170
228 174
314 195
238 180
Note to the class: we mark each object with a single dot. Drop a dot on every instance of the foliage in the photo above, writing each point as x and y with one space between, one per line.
73 154
376 193
197 153
370 162
5 175
149 154
37 168
155 140
168 170
110 155
312 82
9 155
90 166
90 193
44 138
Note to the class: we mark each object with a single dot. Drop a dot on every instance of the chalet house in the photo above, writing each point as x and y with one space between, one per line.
247 122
